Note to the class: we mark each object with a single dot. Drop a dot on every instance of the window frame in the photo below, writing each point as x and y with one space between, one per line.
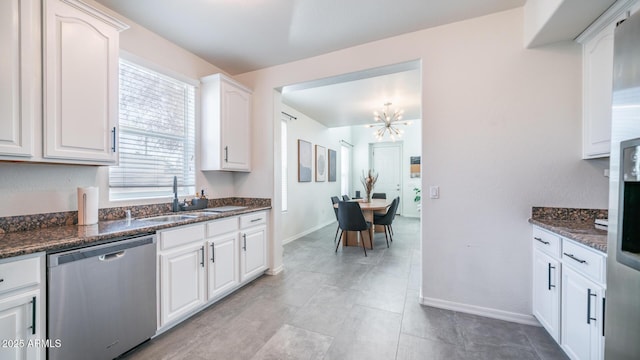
183 190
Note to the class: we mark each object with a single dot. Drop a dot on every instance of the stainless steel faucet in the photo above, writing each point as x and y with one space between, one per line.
176 204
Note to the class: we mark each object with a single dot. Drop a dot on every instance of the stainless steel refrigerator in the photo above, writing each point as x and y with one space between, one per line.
622 314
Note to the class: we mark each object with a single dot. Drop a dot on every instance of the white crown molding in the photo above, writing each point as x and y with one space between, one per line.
607 17
104 17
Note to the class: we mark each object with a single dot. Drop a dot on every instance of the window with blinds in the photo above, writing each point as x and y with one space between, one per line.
156 135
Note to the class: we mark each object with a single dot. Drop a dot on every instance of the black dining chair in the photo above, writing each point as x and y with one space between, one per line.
345 198
335 200
387 219
351 218
379 195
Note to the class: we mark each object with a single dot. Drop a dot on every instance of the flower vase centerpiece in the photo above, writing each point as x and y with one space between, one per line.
369 182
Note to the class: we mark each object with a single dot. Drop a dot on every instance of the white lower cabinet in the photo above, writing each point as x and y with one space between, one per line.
546 292
199 264
568 293
223 256
253 257
582 312
22 308
182 272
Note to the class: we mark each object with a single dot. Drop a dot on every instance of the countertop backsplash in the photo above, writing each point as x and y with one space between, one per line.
39 221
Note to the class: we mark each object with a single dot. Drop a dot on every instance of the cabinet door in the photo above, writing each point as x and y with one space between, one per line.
80 84
546 292
598 77
235 117
21 326
182 282
17 73
581 336
223 264
253 255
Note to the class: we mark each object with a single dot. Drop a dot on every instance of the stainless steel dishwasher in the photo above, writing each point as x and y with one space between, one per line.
102 299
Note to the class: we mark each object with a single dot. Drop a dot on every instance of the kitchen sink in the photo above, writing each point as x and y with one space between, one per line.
169 218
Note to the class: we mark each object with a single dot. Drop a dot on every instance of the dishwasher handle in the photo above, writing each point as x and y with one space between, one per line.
112 256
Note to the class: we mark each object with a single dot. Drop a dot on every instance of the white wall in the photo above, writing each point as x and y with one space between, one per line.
501 133
309 205
411 146
37 188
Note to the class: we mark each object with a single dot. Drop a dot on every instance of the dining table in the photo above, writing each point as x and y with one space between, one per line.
352 238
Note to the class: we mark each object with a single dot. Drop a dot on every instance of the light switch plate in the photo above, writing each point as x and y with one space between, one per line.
434 192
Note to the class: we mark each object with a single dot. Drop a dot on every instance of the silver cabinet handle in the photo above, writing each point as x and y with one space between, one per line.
576 259
258 219
542 241
589 295
33 316
113 131
549 281
202 262
213 253
244 246
226 154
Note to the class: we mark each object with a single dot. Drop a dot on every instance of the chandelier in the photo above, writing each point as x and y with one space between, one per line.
387 122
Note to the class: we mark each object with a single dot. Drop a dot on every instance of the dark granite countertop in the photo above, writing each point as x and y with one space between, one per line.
580 231
69 236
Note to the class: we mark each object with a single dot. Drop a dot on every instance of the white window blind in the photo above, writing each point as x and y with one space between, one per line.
156 135
285 167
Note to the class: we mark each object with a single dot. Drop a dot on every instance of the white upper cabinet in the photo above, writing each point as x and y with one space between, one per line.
597 70
226 116
597 81
19 41
80 72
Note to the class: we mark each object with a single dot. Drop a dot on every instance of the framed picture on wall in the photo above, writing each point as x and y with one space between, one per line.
333 164
414 171
304 161
321 163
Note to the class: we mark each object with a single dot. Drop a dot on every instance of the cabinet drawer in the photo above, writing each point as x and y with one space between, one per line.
19 273
253 219
223 226
181 236
546 242
589 262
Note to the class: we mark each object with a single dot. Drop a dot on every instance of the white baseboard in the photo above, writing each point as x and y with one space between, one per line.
275 271
482 311
306 232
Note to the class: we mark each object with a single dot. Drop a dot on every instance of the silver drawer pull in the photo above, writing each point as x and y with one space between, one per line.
542 241
258 219
576 259
1 280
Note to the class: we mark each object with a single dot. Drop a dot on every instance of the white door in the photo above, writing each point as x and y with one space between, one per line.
183 282
17 326
17 93
223 264
80 74
236 111
581 336
386 160
254 252
546 292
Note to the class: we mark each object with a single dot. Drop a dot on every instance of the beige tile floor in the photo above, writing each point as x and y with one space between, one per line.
344 306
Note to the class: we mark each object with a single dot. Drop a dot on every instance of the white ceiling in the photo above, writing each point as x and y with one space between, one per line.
350 99
244 35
